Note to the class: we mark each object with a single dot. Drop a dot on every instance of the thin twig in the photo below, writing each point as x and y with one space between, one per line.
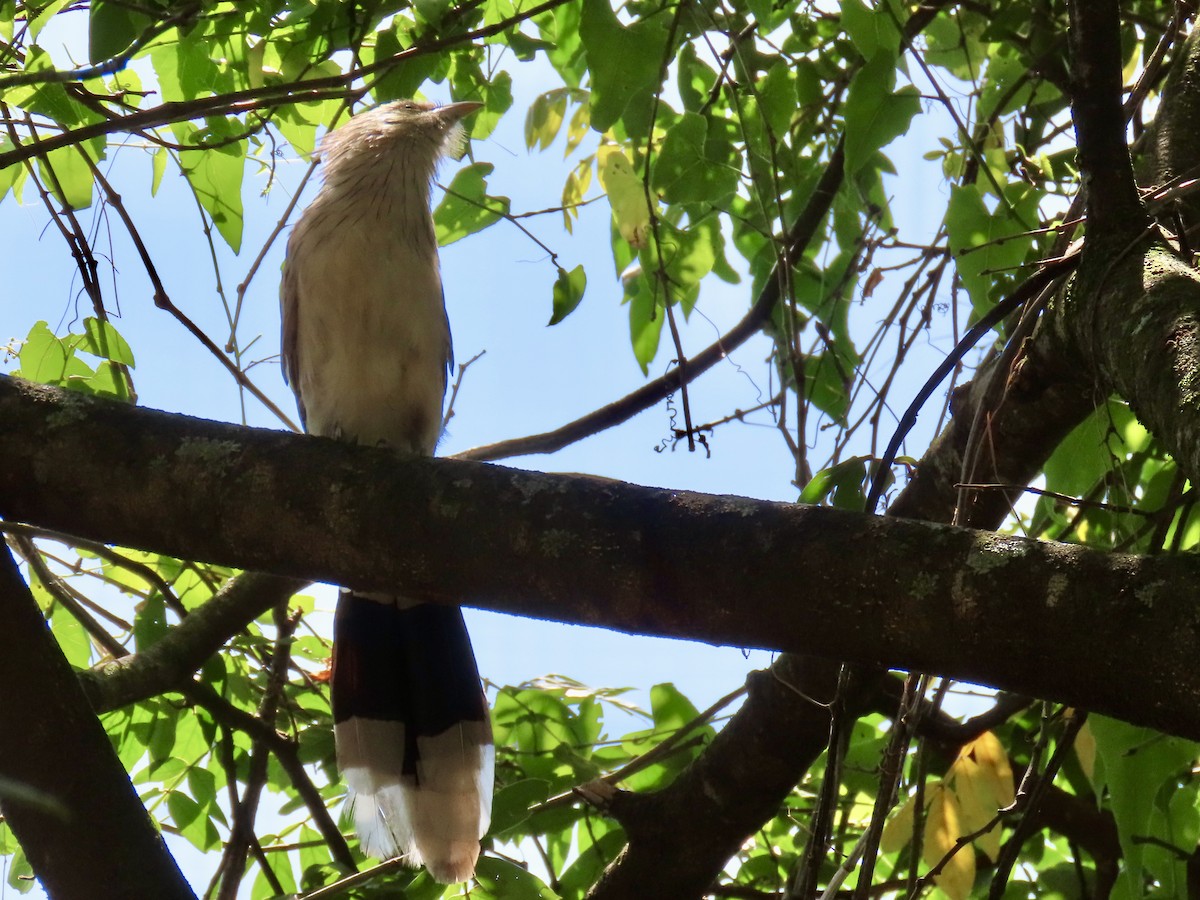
163 301
803 231
266 96
655 754
63 596
143 571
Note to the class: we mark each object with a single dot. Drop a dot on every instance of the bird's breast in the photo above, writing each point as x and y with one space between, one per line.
372 337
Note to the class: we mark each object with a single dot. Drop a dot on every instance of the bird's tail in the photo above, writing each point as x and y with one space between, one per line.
414 740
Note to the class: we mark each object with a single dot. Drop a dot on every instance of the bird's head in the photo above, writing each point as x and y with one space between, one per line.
419 131
419 120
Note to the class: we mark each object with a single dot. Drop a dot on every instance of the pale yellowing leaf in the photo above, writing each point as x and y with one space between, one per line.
578 129
899 829
976 802
988 752
545 118
942 830
1085 750
626 195
574 191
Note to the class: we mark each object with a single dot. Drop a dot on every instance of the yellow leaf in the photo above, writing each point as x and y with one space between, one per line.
992 758
544 119
899 829
626 195
1085 749
578 129
976 803
942 830
574 190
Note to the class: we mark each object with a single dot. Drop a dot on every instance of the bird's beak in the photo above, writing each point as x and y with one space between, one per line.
455 112
451 114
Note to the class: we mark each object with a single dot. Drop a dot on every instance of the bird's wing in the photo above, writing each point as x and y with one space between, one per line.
449 346
289 308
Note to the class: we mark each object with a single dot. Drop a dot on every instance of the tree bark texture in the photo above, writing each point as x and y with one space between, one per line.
1117 634
65 793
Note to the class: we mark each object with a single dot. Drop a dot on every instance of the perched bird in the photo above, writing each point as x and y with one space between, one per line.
366 349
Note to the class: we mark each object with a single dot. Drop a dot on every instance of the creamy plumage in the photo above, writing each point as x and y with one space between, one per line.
367 351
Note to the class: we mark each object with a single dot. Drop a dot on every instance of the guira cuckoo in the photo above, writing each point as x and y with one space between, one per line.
366 349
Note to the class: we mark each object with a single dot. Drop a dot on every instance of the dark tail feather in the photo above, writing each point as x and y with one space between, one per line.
414 740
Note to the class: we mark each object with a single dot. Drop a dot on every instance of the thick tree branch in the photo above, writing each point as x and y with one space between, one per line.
65 794
169 663
1024 415
1113 206
1132 322
733 787
971 605
1174 146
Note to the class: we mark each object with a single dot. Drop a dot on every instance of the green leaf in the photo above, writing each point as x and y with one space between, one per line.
565 48
184 810
828 379
101 339
192 743
696 162
1138 764
523 718
512 803
264 890
568 291
1004 70
127 730
695 78
843 482
670 708
20 872
42 15
112 27
72 639
49 100
1083 457
953 43
48 359
298 123
109 381
12 178
502 880
645 320
873 31
150 621
467 207
875 112
185 69
158 167
215 175
577 129
68 175
777 98
602 846
404 78
695 252
626 67
498 99
987 243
